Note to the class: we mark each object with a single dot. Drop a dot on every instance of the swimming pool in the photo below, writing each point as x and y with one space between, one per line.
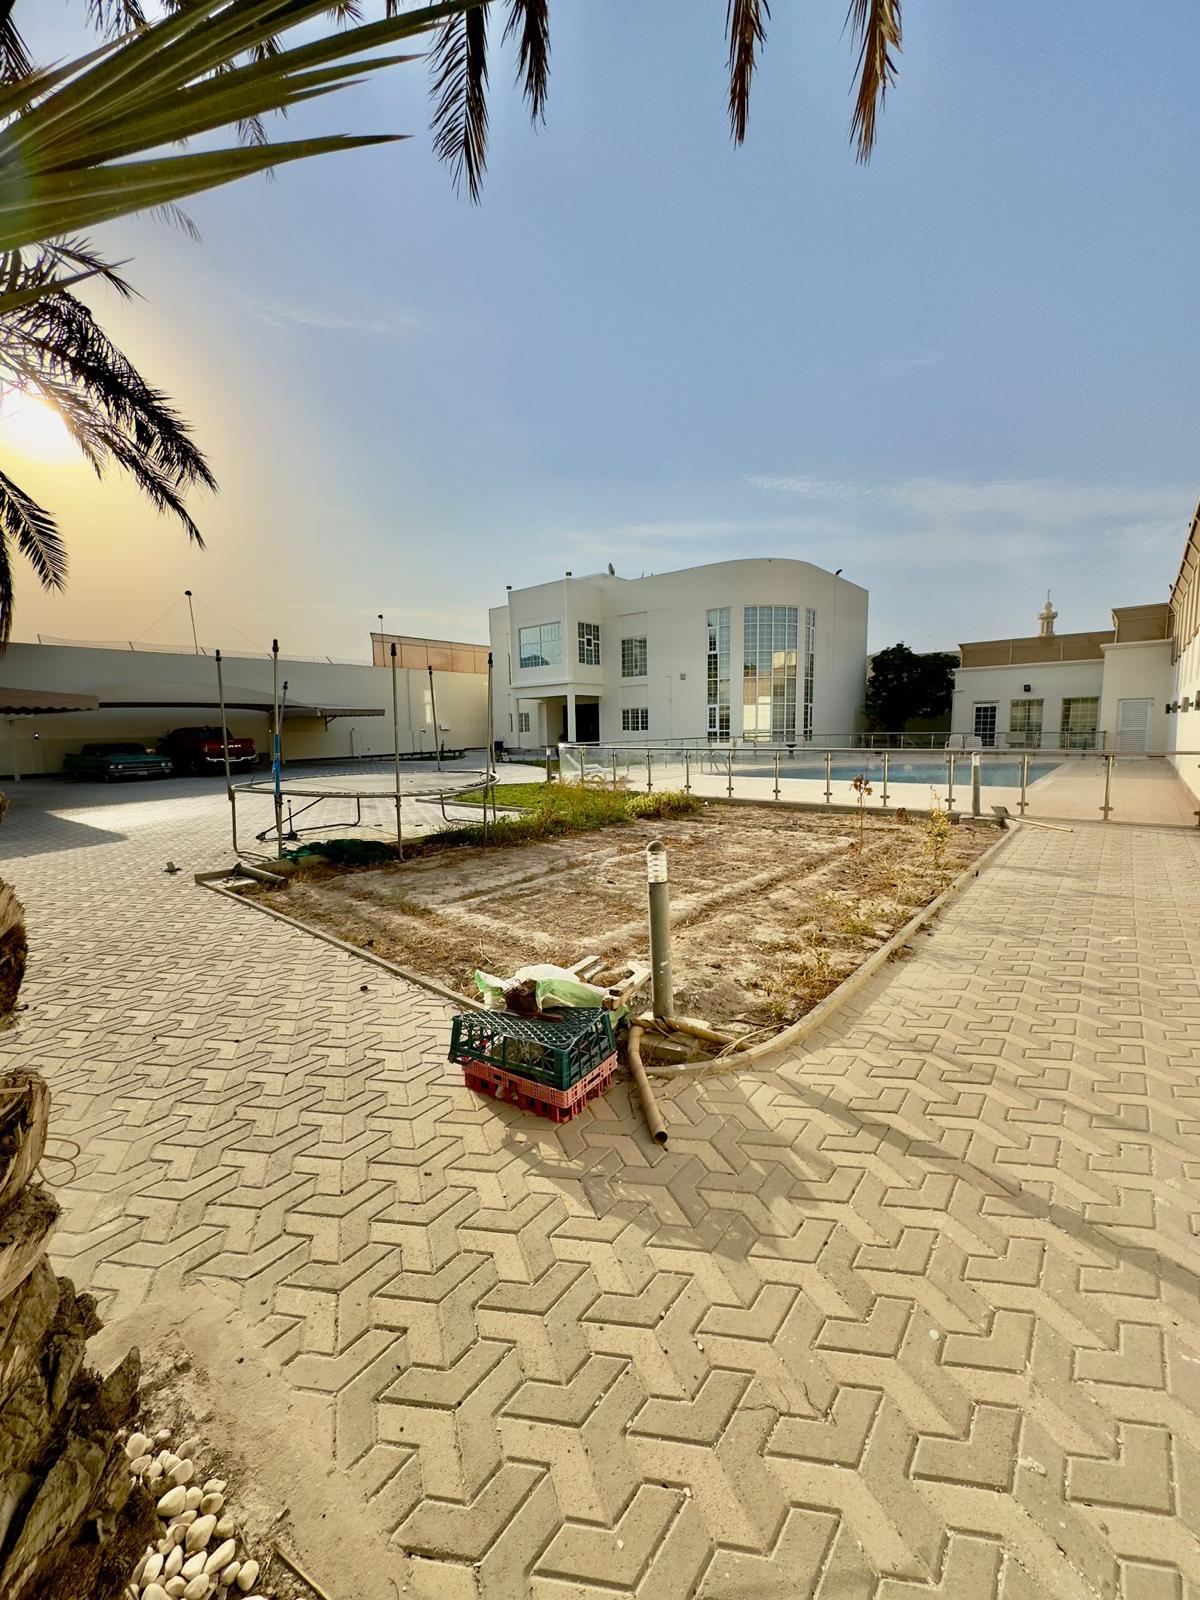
1001 772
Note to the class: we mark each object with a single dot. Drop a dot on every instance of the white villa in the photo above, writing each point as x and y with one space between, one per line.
1103 690
760 650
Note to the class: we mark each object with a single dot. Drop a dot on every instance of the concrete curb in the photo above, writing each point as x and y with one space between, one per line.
211 881
738 1061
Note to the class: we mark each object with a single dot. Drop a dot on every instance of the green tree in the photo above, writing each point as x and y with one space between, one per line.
905 685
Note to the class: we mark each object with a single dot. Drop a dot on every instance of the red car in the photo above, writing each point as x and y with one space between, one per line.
202 750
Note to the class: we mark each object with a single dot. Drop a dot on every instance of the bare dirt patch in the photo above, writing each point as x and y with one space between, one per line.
770 909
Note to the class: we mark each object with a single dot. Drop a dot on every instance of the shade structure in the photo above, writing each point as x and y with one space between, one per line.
43 702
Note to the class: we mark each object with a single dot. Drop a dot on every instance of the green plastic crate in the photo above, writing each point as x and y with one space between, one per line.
557 1054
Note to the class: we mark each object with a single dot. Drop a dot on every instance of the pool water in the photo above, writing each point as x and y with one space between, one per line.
909 767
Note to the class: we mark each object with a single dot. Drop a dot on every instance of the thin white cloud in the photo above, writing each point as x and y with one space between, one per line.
396 325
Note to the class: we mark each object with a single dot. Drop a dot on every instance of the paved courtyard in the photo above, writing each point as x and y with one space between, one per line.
915 1314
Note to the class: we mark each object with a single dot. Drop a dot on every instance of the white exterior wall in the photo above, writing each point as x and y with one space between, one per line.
1050 681
190 682
671 611
1139 671
1183 727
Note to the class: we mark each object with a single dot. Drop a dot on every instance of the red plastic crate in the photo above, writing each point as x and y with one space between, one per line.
558 1105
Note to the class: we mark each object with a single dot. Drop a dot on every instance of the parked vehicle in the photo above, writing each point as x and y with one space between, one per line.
202 750
117 759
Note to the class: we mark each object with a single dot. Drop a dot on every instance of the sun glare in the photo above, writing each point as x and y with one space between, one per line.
28 425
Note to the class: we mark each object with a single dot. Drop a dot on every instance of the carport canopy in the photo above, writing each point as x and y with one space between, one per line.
291 709
43 702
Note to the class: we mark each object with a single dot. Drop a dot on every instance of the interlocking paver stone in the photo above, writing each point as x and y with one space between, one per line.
913 1313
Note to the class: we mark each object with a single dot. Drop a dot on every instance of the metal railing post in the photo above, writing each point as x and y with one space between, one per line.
777 774
950 780
1108 770
1022 803
649 774
976 780
828 776
396 759
884 798
729 773
614 769
687 772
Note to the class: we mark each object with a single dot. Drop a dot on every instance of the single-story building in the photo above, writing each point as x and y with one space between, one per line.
1106 690
56 698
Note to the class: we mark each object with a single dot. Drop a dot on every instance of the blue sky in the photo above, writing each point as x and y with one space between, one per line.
963 373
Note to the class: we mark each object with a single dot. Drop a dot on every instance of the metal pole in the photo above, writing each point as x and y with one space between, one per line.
225 745
950 781
192 614
437 738
885 778
976 780
1021 804
729 773
1108 771
614 765
276 746
662 1001
489 771
396 758
687 774
828 776
777 774
549 759
649 775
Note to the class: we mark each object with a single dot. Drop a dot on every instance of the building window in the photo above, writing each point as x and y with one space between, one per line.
718 674
1079 719
589 644
523 721
541 646
635 719
1025 724
769 646
633 658
810 668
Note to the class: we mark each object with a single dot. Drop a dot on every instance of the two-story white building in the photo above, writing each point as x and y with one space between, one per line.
765 650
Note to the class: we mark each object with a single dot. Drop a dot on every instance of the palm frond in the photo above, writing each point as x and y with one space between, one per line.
14 56
876 24
529 20
458 64
66 161
31 529
746 27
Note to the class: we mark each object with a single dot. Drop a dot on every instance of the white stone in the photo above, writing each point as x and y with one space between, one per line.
173 1502
136 1445
193 1566
248 1576
183 1473
193 1498
167 1461
162 1436
198 1589
149 1569
154 1591
215 1486
189 1448
187 1517
140 1464
225 1528
200 1532
174 1563
212 1503
175 1588
221 1556
229 1574
154 1472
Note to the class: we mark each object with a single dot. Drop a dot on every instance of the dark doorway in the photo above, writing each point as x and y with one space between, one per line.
587 722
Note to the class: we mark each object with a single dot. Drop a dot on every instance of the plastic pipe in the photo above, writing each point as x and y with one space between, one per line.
654 1122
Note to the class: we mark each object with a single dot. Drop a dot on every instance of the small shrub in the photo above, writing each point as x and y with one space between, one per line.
665 803
862 789
937 832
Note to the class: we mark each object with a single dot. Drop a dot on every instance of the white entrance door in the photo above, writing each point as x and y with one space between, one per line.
985 722
1133 724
